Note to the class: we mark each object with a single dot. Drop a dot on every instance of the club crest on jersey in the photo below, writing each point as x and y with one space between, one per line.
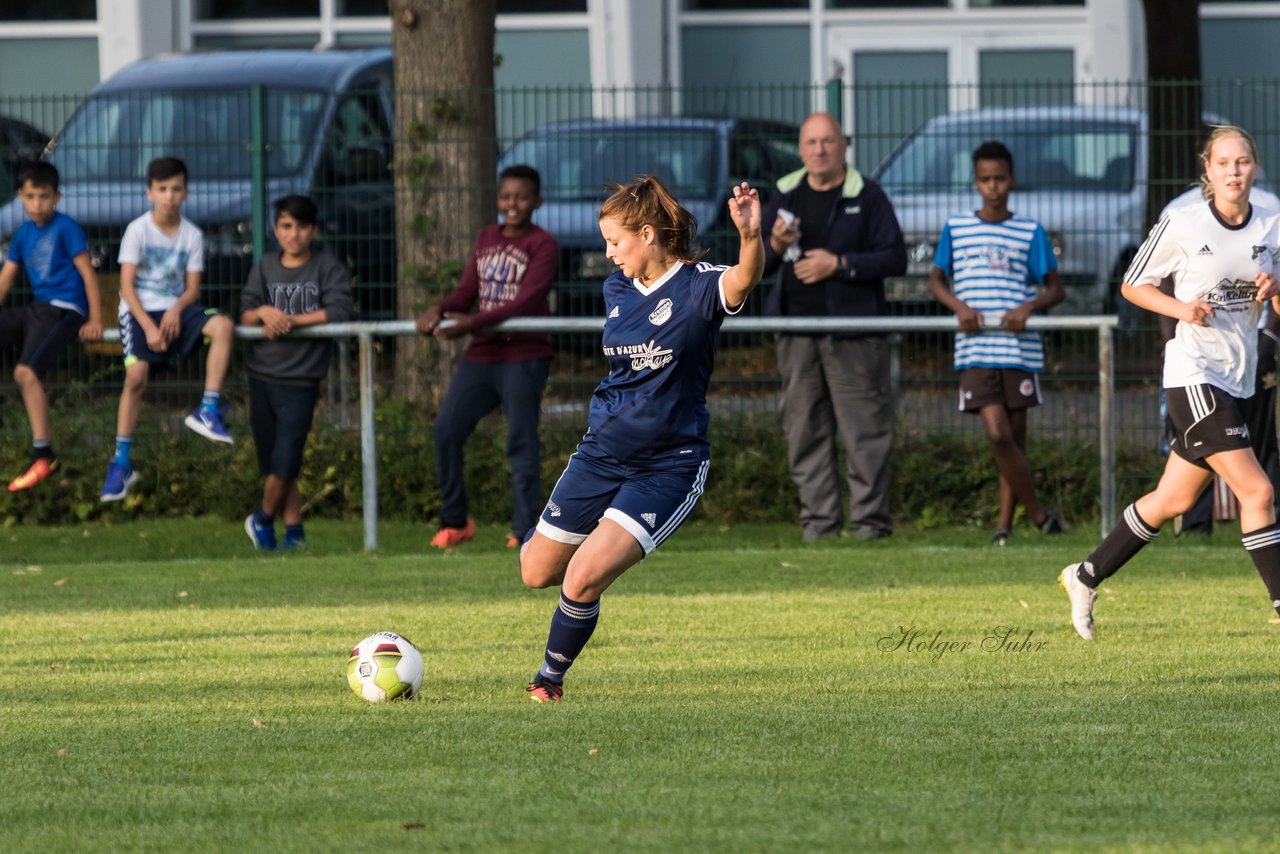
662 313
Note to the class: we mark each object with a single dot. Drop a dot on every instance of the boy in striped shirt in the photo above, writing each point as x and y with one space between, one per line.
996 259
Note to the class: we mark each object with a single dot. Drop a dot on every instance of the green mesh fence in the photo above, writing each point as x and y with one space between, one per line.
1083 163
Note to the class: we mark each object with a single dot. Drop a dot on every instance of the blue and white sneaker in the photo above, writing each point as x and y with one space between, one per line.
264 538
208 423
118 480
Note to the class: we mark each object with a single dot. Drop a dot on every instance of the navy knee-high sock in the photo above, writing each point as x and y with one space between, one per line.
571 628
1264 547
1124 541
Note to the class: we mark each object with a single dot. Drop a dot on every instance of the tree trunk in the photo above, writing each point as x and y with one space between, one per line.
1176 100
445 156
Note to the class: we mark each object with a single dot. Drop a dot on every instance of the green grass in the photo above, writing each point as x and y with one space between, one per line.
735 698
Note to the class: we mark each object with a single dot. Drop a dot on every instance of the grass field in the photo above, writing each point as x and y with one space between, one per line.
742 693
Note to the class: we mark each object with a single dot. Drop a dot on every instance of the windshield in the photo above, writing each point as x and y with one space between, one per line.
1047 155
115 136
577 165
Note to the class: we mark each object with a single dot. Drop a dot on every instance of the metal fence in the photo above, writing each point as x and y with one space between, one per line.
1093 409
1082 162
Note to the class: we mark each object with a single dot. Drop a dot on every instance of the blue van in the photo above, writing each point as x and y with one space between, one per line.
328 129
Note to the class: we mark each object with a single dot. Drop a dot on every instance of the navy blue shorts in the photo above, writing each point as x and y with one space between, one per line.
43 330
649 503
190 336
281 418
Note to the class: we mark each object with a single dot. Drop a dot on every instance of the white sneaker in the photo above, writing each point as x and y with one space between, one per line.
1081 598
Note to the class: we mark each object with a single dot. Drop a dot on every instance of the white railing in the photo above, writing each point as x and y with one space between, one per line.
365 332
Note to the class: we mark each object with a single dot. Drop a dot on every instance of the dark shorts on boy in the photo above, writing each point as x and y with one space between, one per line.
45 331
1011 387
1205 420
650 503
281 418
190 336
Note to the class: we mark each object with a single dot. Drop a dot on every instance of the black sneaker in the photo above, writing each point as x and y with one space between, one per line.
1051 524
1000 539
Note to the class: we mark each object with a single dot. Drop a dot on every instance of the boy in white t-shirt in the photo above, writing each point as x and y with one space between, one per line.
161 259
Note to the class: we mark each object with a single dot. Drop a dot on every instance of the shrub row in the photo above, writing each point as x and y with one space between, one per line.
944 479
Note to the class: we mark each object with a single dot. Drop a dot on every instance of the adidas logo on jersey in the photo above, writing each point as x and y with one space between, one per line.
650 518
614 313
1205 250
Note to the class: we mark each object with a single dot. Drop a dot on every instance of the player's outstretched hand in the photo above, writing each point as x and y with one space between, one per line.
744 209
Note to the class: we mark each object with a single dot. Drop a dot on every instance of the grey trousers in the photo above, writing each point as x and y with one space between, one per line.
843 386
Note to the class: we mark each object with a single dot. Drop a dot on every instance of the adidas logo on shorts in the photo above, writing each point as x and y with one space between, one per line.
650 518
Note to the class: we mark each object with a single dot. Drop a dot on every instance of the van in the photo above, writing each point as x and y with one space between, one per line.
699 159
327 127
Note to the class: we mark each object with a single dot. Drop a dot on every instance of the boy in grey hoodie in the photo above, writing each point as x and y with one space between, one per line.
287 290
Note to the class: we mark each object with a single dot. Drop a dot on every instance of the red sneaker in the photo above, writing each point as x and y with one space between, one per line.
39 470
544 691
447 538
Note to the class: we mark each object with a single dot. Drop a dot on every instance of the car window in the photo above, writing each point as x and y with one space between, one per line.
1048 155
577 165
358 140
114 136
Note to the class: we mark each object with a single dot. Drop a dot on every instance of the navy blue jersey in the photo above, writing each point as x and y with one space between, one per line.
660 342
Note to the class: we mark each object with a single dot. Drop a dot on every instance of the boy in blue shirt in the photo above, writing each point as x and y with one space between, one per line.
161 259
996 259
51 247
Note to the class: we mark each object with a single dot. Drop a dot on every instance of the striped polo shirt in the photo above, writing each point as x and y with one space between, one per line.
995 267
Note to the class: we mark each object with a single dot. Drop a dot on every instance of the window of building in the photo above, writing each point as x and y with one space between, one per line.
221 10
526 7
1004 3
741 5
363 8
888 4
67 10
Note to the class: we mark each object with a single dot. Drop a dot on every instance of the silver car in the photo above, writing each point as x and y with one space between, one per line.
1080 171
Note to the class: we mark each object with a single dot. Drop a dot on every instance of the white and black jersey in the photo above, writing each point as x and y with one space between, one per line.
1215 262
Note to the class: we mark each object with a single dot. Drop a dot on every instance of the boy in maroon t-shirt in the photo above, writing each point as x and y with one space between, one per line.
510 273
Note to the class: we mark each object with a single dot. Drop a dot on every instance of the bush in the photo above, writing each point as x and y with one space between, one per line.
944 479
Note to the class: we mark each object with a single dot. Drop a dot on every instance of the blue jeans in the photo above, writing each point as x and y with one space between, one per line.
475 391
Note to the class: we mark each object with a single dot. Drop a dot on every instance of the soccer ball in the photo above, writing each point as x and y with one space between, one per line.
385 666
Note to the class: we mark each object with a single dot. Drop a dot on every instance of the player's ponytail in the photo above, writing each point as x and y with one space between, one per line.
1217 132
645 201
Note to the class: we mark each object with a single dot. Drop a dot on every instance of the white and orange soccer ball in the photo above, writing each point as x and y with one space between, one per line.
385 666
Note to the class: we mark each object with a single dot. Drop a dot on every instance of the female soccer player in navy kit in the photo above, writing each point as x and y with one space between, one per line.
1221 256
641 467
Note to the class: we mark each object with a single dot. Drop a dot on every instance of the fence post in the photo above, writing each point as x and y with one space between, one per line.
368 444
1106 428
258 161
835 99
